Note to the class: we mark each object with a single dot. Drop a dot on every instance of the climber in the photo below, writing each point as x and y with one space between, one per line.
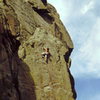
46 54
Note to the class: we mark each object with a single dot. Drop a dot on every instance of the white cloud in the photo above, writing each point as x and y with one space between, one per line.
89 53
88 7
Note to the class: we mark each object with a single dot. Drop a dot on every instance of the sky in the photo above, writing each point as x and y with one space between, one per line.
82 20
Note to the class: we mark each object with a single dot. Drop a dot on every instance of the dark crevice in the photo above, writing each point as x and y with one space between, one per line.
44 14
5 2
67 54
33 45
57 32
58 59
72 85
66 57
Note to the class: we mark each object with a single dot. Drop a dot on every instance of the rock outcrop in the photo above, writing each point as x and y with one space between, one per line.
26 27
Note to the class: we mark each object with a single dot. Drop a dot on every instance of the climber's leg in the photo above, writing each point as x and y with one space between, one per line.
44 2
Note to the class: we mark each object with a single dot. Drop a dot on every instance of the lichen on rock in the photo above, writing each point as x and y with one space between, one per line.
26 28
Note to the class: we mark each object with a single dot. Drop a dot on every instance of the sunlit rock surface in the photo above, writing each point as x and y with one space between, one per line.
26 27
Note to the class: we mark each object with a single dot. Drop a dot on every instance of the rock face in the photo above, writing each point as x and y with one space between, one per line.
26 27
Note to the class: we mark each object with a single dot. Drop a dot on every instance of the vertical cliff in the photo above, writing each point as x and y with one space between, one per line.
26 28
